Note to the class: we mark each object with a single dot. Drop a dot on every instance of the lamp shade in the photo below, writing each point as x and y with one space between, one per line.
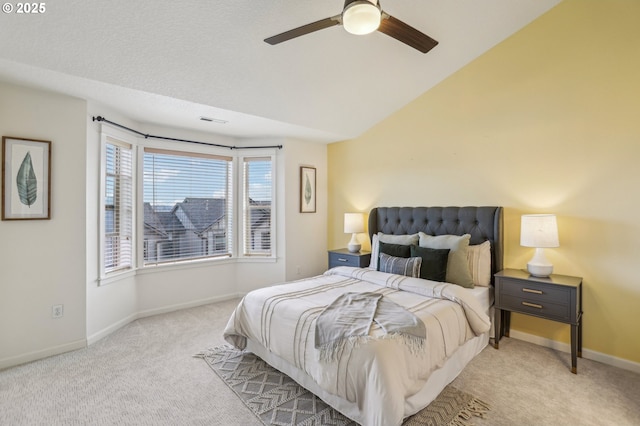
361 17
353 223
539 231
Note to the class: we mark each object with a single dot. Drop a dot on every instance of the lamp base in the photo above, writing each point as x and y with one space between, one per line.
354 245
540 271
539 266
354 248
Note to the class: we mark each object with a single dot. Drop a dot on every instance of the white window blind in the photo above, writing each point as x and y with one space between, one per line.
118 206
188 206
257 202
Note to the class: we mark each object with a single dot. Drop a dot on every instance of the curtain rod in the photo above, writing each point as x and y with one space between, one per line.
147 136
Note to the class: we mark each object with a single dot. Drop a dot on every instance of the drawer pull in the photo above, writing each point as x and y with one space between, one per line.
532 305
528 290
342 259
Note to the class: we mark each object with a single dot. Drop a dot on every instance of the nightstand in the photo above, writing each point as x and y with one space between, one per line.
556 298
343 257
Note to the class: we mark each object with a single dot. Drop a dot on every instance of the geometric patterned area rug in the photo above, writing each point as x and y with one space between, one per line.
276 399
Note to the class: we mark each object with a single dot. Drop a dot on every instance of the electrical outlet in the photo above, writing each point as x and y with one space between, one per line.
57 311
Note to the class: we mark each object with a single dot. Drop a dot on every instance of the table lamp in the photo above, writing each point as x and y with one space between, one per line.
353 224
539 231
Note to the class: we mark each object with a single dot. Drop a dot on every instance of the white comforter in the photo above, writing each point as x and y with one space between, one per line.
379 374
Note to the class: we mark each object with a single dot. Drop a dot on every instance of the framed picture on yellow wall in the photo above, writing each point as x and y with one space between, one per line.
26 178
307 189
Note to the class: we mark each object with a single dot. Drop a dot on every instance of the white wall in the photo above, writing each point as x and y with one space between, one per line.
110 306
306 242
65 251
42 262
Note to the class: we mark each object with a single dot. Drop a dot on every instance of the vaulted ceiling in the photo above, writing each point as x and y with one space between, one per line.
170 63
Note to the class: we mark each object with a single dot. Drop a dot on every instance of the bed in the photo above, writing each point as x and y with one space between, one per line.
387 374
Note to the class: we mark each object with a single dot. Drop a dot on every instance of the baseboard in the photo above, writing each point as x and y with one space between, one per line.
79 344
43 353
156 311
179 306
110 329
625 364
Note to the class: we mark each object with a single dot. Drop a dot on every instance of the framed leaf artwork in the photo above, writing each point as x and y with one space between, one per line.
307 189
26 179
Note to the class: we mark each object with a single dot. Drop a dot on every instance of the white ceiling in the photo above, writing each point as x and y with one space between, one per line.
170 62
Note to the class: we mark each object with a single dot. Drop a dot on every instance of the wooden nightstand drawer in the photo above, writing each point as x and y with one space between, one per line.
541 308
342 257
536 291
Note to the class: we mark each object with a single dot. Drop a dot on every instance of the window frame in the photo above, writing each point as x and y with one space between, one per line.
114 137
236 207
243 198
230 224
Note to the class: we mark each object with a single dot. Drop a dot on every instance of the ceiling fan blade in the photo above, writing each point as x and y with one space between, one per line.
305 29
406 33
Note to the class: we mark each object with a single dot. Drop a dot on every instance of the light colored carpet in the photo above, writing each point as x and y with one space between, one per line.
527 384
145 374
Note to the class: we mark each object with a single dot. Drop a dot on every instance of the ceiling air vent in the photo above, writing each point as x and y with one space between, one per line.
214 120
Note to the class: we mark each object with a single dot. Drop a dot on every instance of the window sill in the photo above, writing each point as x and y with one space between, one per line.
187 264
201 263
115 277
256 259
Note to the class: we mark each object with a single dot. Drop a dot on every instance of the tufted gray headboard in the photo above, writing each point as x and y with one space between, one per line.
483 223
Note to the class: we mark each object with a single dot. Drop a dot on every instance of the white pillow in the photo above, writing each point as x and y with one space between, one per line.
479 258
405 240
458 265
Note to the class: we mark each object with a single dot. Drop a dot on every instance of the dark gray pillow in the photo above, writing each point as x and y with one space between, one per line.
400 265
434 262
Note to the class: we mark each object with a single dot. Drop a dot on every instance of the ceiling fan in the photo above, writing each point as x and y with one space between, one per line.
364 17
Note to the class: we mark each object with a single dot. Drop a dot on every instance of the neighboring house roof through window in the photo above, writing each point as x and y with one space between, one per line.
202 212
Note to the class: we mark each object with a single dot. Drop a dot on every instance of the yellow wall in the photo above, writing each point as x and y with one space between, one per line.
547 121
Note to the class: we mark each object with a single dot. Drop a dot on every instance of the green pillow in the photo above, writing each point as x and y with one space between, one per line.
458 265
434 262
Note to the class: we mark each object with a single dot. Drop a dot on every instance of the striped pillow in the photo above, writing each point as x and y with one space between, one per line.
479 258
409 266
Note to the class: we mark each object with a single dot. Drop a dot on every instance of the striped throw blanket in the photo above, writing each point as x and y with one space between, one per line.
348 319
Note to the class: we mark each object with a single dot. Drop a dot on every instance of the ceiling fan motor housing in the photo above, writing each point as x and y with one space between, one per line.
361 16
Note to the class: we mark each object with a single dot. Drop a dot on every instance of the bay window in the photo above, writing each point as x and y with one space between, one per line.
189 205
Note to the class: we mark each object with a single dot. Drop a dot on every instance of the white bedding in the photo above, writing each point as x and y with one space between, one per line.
377 383
484 295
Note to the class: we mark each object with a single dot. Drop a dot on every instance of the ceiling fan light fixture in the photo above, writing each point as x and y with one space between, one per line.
361 17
